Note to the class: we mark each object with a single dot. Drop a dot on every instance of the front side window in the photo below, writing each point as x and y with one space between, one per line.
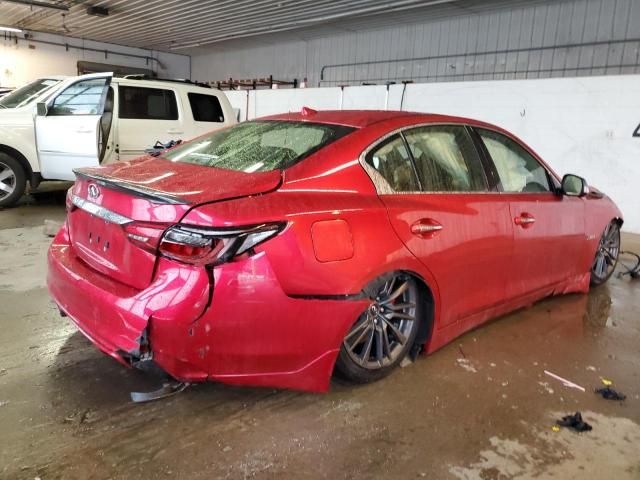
518 170
446 159
258 146
85 97
24 95
392 161
143 103
205 108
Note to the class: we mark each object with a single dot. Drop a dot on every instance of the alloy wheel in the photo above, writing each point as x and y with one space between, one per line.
607 254
382 332
7 180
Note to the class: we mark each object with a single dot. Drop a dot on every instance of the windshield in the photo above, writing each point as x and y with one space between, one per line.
26 94
258 146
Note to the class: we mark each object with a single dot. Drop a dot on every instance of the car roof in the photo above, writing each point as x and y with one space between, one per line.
351 118
365 118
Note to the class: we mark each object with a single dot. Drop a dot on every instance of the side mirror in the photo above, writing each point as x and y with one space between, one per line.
41 109
574 186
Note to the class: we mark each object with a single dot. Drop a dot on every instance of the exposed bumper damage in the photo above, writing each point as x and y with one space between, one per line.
192 324
118 319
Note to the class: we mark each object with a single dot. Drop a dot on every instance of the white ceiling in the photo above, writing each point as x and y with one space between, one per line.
184 25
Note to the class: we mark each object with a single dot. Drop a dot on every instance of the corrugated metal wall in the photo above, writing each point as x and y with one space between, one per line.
552 39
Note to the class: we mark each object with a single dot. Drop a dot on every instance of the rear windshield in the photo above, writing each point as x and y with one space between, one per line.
258 146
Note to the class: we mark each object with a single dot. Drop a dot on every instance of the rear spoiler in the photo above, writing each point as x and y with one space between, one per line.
119 185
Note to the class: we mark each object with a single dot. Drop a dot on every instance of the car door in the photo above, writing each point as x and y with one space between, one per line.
548 228
68 133
146 115
439 205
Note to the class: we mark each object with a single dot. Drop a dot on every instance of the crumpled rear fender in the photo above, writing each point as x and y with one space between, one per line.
120 319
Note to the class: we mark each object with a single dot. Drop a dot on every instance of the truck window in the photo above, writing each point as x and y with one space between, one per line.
205 108
147 103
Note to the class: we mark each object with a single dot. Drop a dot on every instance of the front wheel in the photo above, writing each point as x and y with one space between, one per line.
606 255
13 180
383 335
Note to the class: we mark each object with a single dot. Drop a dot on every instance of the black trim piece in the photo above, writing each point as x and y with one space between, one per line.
142 192
490 172
35 180
347 297
411 157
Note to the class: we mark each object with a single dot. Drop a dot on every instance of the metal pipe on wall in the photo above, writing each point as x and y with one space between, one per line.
106 52
474 54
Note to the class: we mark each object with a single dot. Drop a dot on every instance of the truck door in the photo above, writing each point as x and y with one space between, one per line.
68 127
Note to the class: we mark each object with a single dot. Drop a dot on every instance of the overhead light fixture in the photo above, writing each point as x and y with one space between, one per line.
98 11
10 29
39 4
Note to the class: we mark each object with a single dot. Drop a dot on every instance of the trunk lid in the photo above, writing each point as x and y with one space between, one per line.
107 204
184 182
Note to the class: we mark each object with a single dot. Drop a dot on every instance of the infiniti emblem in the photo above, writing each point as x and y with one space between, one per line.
94 191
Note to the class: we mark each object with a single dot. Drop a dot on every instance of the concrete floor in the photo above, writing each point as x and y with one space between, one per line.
481 408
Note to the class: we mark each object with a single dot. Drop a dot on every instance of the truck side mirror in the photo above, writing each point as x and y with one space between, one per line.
41 109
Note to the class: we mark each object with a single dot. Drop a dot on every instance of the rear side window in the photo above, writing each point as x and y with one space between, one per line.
205 108
147 103
392 161
446 159
258 146
518 170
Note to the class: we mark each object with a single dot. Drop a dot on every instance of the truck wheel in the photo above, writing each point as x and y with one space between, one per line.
13 180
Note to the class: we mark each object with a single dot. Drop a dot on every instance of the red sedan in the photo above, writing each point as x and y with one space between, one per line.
278 250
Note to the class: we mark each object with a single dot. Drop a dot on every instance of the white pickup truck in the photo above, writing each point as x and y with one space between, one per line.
53 125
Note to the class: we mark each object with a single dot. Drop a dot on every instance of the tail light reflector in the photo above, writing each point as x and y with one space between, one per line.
145 235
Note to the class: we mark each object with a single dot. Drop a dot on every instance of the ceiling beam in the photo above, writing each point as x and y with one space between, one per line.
36 3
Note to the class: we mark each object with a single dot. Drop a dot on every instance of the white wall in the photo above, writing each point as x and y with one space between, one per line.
490 41
579 125
20 64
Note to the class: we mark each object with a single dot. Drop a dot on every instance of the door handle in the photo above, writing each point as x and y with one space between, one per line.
426 228
525 220
84 130
175 131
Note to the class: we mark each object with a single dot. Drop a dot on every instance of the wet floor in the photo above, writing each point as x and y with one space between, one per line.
481 408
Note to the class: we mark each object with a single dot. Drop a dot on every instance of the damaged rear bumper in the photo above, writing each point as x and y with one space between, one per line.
237 326
117 318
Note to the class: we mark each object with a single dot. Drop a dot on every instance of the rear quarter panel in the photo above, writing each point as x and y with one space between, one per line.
376 247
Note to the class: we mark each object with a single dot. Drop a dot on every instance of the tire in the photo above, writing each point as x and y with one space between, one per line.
606 258
383 335
13 180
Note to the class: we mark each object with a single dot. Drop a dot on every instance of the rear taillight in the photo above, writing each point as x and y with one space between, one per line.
212 246
69 200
